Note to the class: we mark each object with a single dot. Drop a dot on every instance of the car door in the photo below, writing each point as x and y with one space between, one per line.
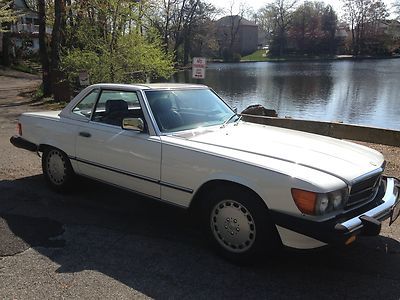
106 152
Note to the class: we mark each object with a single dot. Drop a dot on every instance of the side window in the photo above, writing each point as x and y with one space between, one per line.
113 106
85 106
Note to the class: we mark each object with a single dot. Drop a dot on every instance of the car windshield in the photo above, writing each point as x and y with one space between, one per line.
177 110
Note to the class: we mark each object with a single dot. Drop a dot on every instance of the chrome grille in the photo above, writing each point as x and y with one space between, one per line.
364 190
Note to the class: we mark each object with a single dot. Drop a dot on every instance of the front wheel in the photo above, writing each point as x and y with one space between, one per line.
57 169
239 226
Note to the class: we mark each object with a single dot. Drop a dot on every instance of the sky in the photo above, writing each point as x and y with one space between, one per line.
256 4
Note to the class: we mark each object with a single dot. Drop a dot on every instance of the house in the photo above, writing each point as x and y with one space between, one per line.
237 34
25 30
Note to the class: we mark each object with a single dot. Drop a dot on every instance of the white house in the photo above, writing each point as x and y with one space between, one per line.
25 30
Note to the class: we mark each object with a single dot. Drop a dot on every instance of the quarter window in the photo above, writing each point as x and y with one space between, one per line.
85 106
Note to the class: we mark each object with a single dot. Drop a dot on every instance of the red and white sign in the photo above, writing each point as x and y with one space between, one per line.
199 67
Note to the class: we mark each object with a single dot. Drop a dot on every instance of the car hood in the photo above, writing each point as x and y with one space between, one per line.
343 159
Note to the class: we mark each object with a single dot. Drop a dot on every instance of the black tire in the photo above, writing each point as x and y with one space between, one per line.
238 225
57 169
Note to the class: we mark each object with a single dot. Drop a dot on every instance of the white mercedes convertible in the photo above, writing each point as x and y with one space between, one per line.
254 187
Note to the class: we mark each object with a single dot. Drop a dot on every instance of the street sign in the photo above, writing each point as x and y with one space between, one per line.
199 68
84 78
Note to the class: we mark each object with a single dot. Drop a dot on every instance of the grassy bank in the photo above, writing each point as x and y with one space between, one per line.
259 55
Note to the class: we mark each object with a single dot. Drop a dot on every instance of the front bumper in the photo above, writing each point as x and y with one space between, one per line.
19 142
365 220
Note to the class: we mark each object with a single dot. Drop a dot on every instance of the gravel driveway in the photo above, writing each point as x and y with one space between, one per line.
99 242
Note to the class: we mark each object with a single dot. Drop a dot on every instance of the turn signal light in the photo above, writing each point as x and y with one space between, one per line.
19 128
305 201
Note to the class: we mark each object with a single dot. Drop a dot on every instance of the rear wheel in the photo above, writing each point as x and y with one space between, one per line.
238 225
57 169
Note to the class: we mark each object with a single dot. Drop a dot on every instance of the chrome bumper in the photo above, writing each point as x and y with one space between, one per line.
380 212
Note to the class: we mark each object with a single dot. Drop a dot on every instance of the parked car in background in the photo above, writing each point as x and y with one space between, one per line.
254 187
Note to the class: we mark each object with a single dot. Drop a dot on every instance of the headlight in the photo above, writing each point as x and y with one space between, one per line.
312 203
322 204
337 199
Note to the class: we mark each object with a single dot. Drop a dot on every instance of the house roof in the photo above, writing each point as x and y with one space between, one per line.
22 5
227 21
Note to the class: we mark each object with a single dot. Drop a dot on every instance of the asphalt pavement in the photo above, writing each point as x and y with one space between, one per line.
100 242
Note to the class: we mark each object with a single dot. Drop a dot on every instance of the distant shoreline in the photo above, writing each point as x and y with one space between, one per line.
293 59
317 58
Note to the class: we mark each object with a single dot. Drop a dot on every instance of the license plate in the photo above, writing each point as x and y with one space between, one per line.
395 212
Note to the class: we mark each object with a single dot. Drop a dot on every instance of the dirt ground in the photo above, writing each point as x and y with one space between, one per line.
99 242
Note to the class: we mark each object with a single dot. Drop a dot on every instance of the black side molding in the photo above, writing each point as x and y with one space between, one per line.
19 142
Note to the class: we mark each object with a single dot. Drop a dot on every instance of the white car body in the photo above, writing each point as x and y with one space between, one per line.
173 167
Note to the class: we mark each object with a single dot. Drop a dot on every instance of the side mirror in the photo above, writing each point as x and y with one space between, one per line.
135 124
235 109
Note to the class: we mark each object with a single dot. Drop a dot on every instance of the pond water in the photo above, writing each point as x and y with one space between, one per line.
356 92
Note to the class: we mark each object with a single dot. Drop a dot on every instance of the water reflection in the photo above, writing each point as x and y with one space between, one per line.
359 92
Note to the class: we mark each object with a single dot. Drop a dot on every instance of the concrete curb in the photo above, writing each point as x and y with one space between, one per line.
336 130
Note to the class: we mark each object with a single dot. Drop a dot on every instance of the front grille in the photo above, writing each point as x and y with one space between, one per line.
364 190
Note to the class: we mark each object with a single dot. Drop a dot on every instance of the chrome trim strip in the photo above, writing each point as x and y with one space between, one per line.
367 175
362 178
134 175
176 187
381 211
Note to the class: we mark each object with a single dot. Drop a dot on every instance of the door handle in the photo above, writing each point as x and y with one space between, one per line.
85 134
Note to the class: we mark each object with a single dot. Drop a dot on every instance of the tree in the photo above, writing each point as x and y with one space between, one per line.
329 25
266 20
313 28
396 6
57 37
228 31
364 17
113 43
180 23
280 12
43 51
7 15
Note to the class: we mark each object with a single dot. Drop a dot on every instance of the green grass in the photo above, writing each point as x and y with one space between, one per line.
262 55
259 55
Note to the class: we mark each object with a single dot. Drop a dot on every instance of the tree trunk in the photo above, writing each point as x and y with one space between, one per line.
186 48
46 79
57 38
6 46
58 33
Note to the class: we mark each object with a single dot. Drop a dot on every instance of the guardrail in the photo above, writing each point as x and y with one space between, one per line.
332 129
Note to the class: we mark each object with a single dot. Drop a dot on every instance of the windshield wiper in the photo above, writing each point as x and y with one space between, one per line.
237 121
231 117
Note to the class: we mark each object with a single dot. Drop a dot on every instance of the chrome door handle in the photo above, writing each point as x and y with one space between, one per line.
85 134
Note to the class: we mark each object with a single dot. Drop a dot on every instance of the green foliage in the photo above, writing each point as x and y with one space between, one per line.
6 13
23 67
133 59
38 94
111 47
312 29
230 56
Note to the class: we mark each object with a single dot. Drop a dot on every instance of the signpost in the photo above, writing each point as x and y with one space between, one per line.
199 68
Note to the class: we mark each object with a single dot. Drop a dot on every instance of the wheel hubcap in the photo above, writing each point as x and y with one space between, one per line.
56 167
233 226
